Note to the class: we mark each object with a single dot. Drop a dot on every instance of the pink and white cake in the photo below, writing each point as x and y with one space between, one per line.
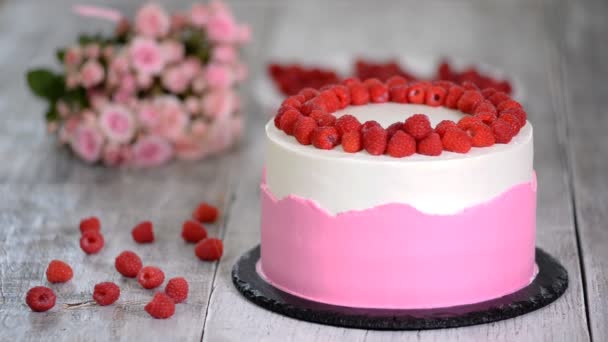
367 203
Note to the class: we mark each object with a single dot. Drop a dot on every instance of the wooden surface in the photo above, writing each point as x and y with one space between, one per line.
553 48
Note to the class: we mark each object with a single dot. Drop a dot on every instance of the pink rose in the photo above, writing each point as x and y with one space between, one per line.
221 27
190 148
148 114
116 155
152 21
192 66
199 15
243 34
151 151
72 80
68 129
218 76
199 128
108 52
97 99
144 81
178 21
199 84
91 74
173 51
92 51
192 105
218 103
117 123
224 53
172 119
146 56
72 57
87 143
175 80
120 64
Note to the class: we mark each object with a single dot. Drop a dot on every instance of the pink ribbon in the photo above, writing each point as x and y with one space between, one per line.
98 12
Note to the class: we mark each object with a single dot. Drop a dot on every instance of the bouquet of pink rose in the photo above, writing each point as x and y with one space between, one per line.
160 86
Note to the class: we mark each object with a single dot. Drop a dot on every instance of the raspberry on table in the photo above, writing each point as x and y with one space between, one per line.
128 264
143 232
468 85
508 104
499 97
91 242
435 96
454 94
481 135
343 95
210 249
443 126
359 95
150 277
193 231
351 141
315 103
444 84
378 92
325 138
308 93
396 80
398 94
205 213
350 81
58 272
375 140
177 289
431 145
401 145
106 293
288 120
418 126
323 119
331 101
161 306
90 224
487 92
519 113
292 101
468 121
347 123
393 128
368 125
40 298
303 128
503 131
511 120
456 140
416 92
468 101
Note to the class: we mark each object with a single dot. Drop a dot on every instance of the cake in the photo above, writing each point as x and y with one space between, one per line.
398 195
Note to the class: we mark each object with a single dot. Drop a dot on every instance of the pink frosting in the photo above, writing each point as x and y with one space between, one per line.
394 256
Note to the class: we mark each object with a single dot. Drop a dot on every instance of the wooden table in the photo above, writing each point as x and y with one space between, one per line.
553 47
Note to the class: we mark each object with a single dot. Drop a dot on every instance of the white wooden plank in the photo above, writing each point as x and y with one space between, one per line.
480 32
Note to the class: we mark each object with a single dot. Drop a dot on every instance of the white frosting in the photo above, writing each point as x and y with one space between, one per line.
445 184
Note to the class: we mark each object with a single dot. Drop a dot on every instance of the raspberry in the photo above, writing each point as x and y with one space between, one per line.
486 117
40 298
486 93
106 293
508 104
90 224
128 264
288 120
277 118
161 306
143 232
401 145
343 95
443 126
468 85
484 106
435 96
392 129
467 122
418 126
350 81
91 242
398 94
396 80
359 95
292 101
347 123
511 120
378 91
58 272
431 145
150 277
416 92
209 249
456 140
323 119
325 138
312 104
375 140
369 124
351 141
481 135
205 213
177 289
331 101
303 128
193 231
308 93
468 101
519 113
503 131
444 84
498 97
454 94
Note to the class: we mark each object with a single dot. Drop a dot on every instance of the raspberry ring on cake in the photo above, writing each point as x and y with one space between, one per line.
366 202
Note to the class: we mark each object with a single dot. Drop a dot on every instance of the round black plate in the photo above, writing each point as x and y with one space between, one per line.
550 283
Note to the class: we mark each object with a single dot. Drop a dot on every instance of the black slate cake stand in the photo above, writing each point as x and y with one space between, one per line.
550 283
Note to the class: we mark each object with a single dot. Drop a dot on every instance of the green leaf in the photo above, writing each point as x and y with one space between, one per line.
46 84
60 55
52 114
76 97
